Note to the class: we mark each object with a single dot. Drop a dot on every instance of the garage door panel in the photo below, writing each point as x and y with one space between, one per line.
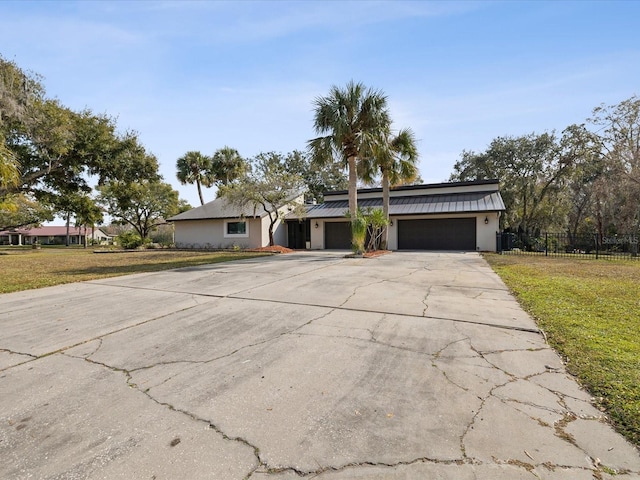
437 234
337 235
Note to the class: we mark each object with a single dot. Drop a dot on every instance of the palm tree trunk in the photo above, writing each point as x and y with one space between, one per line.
200 192
66 241
353 187
385 208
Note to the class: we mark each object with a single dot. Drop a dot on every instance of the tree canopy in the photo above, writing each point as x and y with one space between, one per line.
227 165
49 151
351 122
271 183
143 205
194 167
223 167
585 181
317 179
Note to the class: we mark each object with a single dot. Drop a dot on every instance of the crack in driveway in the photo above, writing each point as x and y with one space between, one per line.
367 369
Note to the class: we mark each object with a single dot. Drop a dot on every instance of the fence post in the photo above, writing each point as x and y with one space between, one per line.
546 244
597 246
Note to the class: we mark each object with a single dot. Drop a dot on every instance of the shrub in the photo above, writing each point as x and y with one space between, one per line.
130 240
358 233
164 237
376 223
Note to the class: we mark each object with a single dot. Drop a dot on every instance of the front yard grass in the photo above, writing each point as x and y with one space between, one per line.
24 269
590 312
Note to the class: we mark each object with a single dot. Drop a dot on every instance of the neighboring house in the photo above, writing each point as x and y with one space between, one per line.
444 216
54 235
218 224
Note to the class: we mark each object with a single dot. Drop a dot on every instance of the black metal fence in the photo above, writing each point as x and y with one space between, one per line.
564 245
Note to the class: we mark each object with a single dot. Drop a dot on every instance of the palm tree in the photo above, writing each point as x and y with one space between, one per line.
396 160
227 165
351 122
194 167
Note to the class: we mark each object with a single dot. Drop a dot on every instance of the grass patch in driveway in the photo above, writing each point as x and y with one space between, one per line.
590 311
25 269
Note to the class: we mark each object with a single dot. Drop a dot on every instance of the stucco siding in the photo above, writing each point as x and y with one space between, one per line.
486 233
279 229
279 232
199 234
211 234
317 234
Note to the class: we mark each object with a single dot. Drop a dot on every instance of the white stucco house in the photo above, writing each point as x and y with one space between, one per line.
460 216
218 224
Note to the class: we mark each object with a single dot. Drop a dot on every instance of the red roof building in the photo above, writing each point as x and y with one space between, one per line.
54 235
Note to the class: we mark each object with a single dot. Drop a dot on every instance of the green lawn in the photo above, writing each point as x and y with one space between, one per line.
590 311
24 268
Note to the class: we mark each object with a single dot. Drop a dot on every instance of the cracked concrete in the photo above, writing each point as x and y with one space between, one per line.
309 365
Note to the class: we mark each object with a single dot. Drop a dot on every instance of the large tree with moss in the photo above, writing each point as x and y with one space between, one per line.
50 151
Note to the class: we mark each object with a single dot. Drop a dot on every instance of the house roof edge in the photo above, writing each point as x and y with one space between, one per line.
492 181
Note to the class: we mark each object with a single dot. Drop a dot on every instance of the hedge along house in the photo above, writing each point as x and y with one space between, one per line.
444 216
218 224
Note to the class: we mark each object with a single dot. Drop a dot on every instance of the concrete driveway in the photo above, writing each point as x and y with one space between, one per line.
308 365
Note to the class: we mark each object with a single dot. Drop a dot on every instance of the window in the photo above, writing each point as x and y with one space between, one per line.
234 228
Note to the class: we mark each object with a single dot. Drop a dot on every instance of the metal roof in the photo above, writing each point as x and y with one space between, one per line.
415 205
430 186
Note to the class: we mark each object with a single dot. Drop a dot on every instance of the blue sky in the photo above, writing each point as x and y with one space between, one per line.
199 75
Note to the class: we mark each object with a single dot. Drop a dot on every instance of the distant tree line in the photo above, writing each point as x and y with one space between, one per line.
585 180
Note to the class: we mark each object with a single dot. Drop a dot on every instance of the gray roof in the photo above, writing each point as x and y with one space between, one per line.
219 208
415 205
430 186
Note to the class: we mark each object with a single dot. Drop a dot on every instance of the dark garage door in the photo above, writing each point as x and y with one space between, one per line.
437 234
337 235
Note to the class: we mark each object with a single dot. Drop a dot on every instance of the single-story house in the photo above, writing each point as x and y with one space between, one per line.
55 235
218 224
444 216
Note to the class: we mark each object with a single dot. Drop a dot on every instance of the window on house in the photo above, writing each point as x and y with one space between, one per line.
236 228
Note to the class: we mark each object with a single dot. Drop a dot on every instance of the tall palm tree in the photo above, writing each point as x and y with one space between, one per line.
194 167
351 122
227 165
396 159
